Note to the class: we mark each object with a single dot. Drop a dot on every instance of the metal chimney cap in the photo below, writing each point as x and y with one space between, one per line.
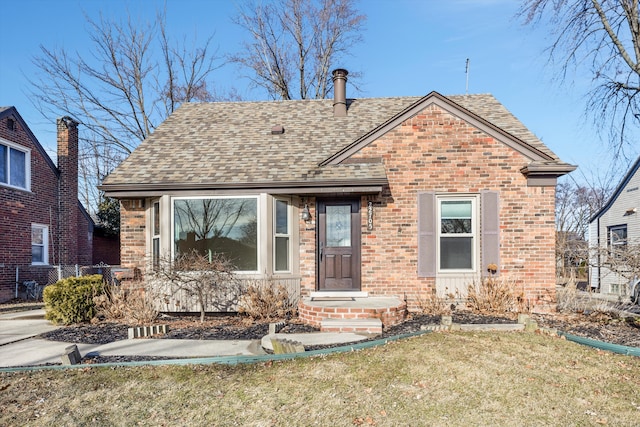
339 72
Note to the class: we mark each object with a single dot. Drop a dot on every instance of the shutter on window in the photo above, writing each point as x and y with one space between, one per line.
490 231
427 234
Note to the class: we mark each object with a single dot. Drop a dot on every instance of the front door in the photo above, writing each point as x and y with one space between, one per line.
339 245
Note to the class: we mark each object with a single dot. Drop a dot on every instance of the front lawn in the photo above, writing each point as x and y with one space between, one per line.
436 379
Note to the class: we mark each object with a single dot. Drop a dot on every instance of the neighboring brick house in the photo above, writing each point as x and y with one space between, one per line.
614 228
42 223
366 198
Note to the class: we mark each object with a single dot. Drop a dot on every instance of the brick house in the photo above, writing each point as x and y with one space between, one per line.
42 223
381 200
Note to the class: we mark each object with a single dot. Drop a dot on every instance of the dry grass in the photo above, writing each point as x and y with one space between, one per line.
439 379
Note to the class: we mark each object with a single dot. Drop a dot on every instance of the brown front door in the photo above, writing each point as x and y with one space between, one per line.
339 245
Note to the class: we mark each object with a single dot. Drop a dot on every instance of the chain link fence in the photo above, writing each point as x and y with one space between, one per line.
32 279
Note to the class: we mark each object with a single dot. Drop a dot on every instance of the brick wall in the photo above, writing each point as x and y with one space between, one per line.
19 209
435 151
133 234
308 248
68 190
84 239
106 249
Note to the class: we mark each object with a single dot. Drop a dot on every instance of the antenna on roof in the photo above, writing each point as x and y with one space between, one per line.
466 90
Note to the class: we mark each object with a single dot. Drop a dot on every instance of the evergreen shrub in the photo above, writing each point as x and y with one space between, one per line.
71 300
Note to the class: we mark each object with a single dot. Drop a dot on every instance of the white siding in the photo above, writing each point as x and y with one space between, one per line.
593 259
617 214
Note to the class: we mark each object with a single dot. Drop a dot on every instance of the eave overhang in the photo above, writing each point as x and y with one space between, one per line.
126 191
545 174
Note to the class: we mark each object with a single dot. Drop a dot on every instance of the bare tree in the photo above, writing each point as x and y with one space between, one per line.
295 43
208 279
133 79
575 206
603 36
622 260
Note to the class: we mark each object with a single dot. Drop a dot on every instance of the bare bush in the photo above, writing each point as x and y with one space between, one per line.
265 301
495 294
572 300
568 299
434 305
133 307
209 278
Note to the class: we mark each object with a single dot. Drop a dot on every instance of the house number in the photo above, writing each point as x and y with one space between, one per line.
370 215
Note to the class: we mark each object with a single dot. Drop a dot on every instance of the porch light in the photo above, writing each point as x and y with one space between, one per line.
306 215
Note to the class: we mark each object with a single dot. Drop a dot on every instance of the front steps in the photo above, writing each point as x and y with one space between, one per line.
351 313
363 326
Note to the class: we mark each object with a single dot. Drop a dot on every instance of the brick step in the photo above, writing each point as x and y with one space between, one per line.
337 295
369 326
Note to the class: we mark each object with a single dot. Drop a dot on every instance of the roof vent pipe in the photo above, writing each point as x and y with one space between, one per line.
340 92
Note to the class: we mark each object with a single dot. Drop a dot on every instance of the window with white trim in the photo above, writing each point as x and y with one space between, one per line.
617 239
457 234
39 244
155 237
281 236
448 241
218 225
14 165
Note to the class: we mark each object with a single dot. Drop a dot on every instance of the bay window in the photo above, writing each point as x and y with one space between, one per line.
218 225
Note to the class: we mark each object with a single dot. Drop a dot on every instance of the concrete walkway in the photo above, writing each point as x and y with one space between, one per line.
19 345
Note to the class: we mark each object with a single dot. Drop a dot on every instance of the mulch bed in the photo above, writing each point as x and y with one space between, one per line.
623 330
601 327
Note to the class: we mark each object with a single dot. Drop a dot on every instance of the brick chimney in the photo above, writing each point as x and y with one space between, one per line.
340 92
67 191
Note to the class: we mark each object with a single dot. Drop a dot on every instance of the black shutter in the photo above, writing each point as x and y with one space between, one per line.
427 234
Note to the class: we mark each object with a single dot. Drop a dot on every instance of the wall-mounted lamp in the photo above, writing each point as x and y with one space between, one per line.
306 215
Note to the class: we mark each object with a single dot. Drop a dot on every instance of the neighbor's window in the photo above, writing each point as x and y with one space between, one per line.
155 238
39 244
226 226
282 235
457 234
14 166
617 239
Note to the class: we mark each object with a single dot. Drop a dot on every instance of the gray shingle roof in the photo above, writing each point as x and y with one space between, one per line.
230 143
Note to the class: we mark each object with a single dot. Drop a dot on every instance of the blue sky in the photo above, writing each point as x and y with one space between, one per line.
410 48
